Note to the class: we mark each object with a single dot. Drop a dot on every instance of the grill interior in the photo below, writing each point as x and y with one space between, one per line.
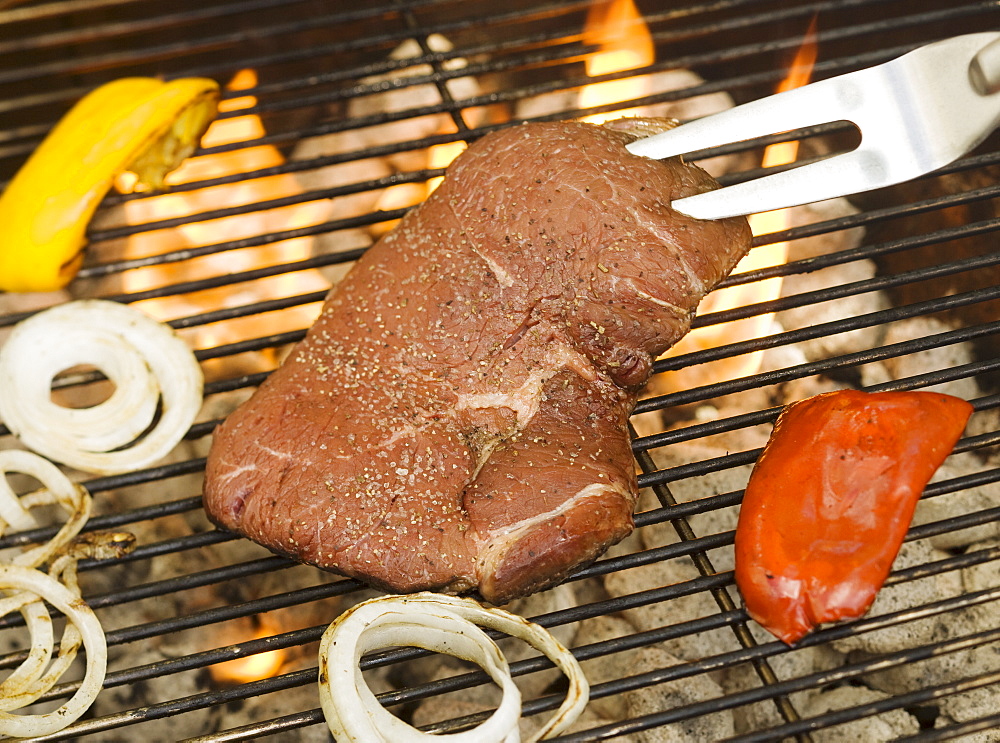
896 289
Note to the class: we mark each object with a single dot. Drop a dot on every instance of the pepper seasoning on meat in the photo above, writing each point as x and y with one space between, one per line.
830 500
457 417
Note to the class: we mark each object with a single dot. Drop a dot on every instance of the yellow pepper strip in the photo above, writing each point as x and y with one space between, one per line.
139 124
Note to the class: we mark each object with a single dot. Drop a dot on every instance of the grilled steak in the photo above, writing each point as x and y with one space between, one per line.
457 416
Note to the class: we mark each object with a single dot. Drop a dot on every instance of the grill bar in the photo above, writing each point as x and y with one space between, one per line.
117 30
130 58
722 597
735 53
816 680
190 597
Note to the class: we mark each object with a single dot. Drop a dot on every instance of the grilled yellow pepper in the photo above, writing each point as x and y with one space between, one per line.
139 124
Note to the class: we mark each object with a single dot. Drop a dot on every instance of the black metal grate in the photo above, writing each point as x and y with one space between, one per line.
924 665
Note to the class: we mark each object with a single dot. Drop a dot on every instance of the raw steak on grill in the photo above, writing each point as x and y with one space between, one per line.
457 416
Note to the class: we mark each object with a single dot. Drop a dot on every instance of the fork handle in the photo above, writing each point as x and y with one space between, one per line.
984 70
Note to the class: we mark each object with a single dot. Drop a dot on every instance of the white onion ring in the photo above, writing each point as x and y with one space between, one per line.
13 690
439 623
14 510
32 587
146 361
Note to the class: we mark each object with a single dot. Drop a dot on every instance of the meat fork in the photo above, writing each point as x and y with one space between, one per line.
916 113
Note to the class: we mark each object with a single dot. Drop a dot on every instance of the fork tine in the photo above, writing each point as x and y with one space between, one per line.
916 113
803 185
818 103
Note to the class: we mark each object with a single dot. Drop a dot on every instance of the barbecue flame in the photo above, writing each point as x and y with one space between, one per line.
441 156
764 256
775 254
403 195
252 667
246 128
624 43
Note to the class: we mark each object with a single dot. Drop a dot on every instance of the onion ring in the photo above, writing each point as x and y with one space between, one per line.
440 623
14 689
147 362
32 588
14 510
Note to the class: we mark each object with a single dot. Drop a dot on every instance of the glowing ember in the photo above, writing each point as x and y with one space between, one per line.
764 256
624 43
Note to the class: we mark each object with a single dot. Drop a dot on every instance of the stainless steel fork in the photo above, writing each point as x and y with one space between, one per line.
916 114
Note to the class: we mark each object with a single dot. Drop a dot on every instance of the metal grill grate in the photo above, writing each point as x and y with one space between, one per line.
924 665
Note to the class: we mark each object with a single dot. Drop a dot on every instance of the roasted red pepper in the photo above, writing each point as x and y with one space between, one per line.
830 500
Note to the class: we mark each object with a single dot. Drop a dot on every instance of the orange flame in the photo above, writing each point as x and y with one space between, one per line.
441 156
764 256
244 128
252 667
798 75
624 43
403 195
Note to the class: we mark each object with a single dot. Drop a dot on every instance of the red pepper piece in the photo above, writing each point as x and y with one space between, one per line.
830 500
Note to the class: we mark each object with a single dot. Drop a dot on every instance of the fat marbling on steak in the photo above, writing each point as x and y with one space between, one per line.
457 416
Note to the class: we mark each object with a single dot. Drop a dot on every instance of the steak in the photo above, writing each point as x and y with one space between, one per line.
457 417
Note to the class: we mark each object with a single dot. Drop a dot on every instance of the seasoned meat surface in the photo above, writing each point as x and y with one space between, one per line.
457 416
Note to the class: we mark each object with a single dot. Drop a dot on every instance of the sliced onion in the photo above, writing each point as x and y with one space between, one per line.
440 623
148 363
15 511
14 689
29 588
